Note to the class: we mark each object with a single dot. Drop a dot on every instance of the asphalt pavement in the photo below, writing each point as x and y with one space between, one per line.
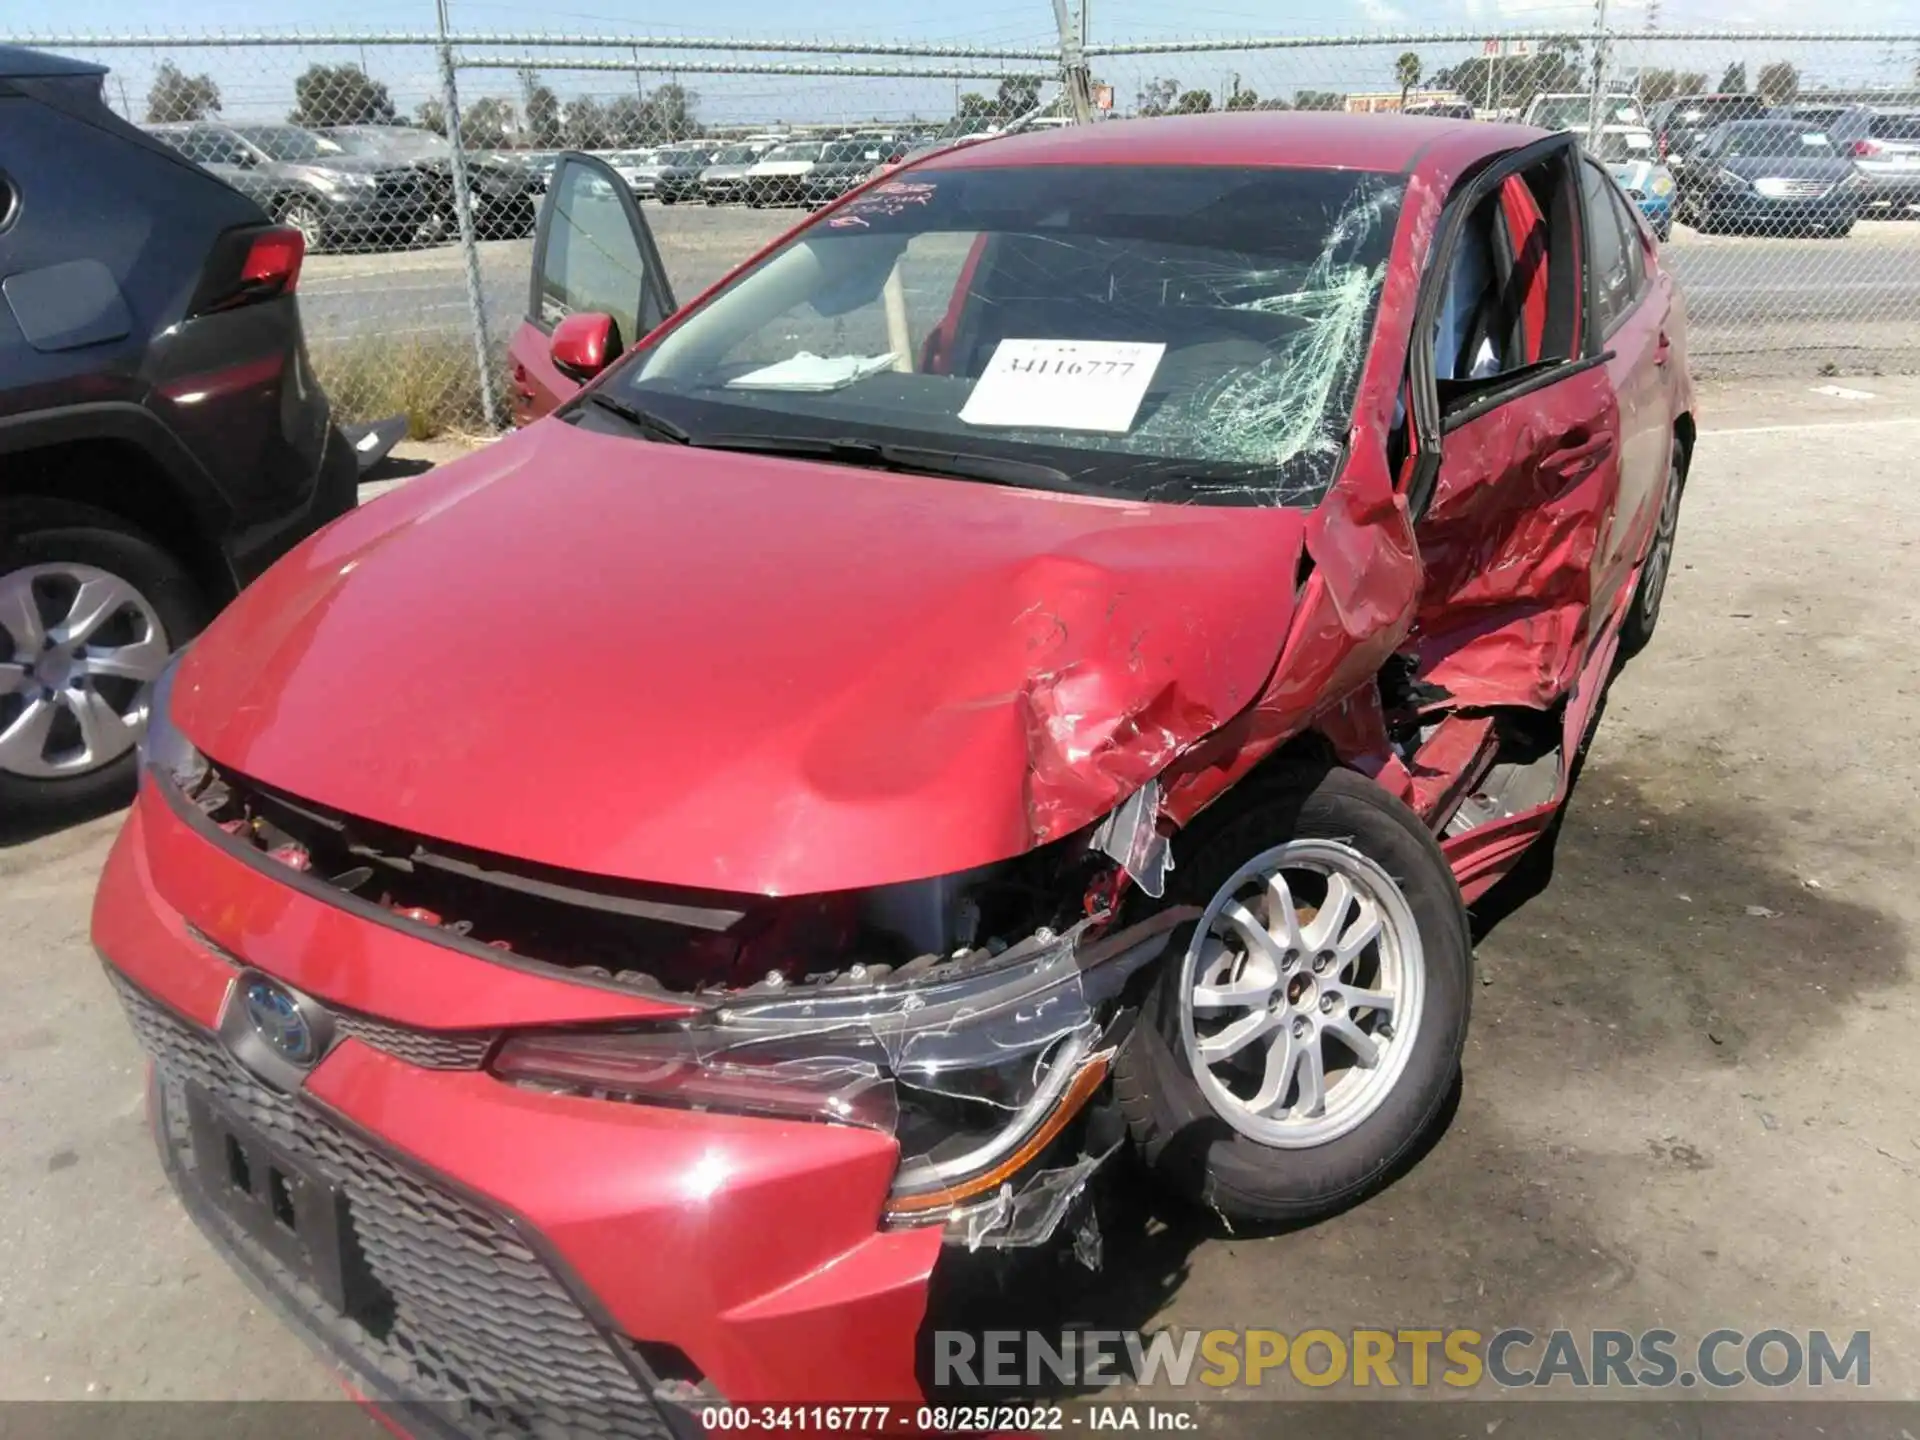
1758 305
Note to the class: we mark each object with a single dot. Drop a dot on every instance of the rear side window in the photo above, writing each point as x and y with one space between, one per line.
1630 239
206 147
1607 260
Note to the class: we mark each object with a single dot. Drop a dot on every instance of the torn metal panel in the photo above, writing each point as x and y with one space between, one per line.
1131 836
1513 544
1359 603
1448 762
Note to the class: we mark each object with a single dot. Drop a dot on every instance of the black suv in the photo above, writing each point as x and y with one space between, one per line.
162 437
1680 124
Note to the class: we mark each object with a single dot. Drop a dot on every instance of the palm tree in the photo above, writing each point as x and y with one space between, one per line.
1407 71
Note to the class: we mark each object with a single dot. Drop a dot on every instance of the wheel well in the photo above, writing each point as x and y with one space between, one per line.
1684 432
121 479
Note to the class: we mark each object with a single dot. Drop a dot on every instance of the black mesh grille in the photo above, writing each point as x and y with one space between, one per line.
480 1326
429 1049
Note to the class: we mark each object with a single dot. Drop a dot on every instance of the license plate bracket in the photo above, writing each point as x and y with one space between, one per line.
286 1206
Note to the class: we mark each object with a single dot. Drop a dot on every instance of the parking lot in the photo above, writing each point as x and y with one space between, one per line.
1690 1096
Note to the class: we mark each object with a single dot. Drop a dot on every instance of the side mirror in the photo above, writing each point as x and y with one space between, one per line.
584 344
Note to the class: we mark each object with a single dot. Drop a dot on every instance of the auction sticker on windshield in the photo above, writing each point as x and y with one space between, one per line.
1064 384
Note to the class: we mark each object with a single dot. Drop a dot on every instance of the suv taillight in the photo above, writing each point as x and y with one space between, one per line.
1866 147
273 260
251 265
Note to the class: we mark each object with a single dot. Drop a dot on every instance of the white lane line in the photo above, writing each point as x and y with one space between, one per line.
1815 425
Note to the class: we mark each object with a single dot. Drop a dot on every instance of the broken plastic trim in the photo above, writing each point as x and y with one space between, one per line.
1030 1215
1130 836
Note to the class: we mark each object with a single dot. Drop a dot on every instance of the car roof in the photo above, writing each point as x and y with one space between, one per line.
19 63
1320 139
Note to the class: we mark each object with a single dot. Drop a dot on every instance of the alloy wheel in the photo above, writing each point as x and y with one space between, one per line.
304 218
1653 580
79 651
1301 994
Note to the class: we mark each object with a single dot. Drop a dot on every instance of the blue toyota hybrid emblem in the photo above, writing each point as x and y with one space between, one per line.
276 1017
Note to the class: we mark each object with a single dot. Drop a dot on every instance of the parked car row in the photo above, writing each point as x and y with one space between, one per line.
1795 169
1731 161
358 187
756 172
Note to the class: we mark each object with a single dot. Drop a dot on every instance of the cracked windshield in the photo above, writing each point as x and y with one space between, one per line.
1145 332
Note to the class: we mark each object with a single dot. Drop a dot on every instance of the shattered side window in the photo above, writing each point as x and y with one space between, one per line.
1179 333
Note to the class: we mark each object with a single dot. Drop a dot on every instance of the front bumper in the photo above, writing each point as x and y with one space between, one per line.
1887 186
385 218
1751 208
536 1248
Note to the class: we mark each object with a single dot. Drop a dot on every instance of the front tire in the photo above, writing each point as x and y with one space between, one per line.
1304 1044
90 609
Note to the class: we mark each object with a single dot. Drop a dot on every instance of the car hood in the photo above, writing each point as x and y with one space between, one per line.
1832 169
783 167
752 674
346 165
724 172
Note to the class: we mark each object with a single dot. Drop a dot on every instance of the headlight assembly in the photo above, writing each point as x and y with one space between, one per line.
975 1076
163 749
1662 184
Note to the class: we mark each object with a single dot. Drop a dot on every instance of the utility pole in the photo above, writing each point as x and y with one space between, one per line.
463 214
1073 66
1596 104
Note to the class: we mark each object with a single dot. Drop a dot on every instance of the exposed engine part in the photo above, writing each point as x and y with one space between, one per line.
664 938
1508 790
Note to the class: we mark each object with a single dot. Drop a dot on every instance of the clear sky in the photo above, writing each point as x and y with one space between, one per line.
258 84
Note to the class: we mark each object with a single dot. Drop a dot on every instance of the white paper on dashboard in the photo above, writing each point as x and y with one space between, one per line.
807 371
1064 384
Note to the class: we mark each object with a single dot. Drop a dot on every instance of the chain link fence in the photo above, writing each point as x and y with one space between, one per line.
416 163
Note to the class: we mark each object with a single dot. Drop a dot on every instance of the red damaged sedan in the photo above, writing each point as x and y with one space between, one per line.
1034 664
